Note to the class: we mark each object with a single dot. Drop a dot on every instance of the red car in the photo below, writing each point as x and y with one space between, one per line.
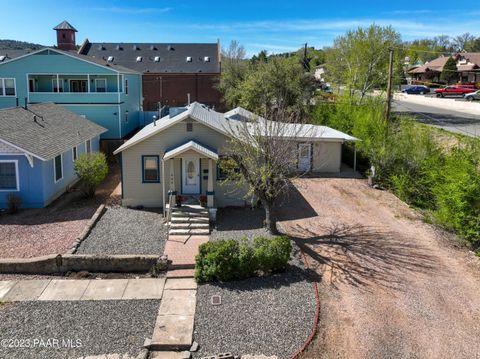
454 91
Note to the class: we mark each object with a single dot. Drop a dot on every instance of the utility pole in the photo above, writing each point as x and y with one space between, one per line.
389 85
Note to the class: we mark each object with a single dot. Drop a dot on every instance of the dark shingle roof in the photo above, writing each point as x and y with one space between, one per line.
64 25
12 54
171 58
45 130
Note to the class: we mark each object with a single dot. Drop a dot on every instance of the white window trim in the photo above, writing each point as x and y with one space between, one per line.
86 147
76 150
70 85
2 80
101 79
16 176
54 84
55 169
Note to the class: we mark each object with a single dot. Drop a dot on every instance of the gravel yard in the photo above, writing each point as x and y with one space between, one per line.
101 327
238 223
126 231
267 315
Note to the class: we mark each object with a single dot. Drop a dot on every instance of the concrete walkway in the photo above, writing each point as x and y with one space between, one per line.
96 289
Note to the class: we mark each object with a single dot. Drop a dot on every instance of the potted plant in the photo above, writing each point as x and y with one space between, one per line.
178 200
203 201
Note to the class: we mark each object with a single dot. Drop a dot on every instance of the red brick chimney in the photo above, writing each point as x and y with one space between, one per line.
65 36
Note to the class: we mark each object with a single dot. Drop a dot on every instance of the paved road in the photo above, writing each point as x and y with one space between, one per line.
390 285
454 121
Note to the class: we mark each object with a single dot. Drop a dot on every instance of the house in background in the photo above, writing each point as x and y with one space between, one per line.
170 71
105 93
180 152
468 68
38 147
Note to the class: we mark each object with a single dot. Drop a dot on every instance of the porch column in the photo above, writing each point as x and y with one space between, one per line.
163 187
58 83
88 82
172 176
210 192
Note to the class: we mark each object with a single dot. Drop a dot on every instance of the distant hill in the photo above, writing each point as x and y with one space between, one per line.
18 45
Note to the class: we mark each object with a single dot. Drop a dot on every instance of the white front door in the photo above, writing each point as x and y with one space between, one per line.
191 175
304 157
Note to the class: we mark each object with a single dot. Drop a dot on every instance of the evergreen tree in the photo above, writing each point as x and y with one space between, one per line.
449 73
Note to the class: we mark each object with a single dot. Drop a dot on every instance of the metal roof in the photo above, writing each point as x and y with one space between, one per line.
65 25
191 145
158 57
45 130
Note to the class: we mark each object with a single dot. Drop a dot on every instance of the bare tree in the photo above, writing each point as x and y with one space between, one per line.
462 42
262 157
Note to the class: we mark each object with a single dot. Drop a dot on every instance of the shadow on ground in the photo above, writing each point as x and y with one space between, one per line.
361 256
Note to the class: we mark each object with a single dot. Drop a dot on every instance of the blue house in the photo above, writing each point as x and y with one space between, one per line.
96 88
38 147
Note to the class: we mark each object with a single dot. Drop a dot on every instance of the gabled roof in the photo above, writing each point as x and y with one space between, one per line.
65 25
191 145
435 65
74 54
158 57
229 123
45 130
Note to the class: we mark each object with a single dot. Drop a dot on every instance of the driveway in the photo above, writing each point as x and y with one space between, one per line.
390 285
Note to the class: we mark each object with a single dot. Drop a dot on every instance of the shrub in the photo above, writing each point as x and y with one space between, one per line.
92 169
13 203
226 260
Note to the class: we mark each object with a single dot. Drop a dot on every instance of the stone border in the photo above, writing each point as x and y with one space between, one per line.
88 228
59 264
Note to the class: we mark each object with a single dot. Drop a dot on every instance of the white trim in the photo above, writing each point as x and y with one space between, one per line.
17 175
55 168
106 84
53 86
23 150
193 146
3 93
119 122
70 85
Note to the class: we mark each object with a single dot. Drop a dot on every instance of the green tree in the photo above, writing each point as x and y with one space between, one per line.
449 72
91 169
359 59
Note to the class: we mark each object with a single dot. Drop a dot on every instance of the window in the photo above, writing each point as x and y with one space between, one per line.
74 153
101 85
58 168
78 85
126 87
224 165
189 126
7 87
9 176
60 85
151 169
88 146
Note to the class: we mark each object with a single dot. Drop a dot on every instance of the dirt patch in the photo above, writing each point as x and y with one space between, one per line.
390 285
51 230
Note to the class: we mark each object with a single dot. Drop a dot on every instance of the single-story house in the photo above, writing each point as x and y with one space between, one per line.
38 147
179 154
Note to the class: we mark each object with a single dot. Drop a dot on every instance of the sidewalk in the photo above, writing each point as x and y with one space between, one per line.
471 108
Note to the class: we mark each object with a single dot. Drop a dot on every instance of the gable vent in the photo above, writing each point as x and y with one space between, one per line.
189 59
156 59
110 59
139 59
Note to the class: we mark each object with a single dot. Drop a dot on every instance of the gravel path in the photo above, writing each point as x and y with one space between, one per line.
267 315
126 231
102 327
391 286
238 223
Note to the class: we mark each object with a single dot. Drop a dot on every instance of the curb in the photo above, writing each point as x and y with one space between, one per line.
88 228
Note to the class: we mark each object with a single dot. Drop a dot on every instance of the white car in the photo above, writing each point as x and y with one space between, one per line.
473 96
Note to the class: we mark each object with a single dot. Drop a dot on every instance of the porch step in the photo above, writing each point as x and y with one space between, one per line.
183 225
190 232
185 219
189 214
181 273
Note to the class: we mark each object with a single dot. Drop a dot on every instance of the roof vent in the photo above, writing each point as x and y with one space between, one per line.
156 59
110 59
153 47
139 59
170 48
206 59
101 47
135 47
189 59
119 48
3 57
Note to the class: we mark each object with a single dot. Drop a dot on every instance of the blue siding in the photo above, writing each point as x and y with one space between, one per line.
103 108
37 184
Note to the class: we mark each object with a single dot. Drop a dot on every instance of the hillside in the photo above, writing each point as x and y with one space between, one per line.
18 45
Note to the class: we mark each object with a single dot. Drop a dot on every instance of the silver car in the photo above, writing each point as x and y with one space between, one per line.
473 96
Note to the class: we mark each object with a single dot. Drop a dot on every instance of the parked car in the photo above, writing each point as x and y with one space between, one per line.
473 96
416 90
454 91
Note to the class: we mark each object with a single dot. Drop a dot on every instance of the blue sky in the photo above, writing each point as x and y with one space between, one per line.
275 26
